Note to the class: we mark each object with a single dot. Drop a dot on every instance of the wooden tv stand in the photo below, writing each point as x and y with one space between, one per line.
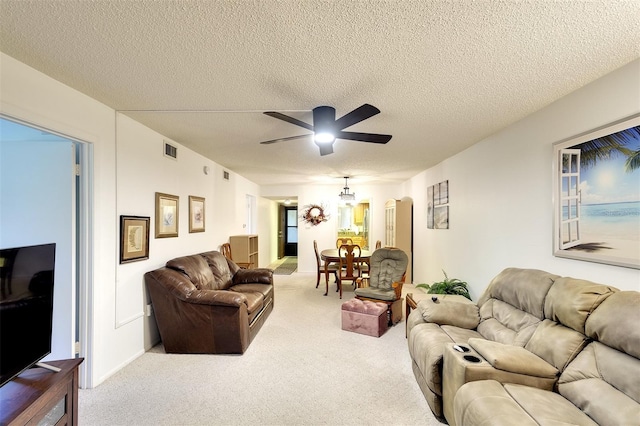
38 393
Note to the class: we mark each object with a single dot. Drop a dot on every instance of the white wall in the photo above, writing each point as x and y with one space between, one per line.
143 170
128 168
501 193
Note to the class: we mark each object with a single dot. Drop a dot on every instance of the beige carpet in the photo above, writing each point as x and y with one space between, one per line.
301 369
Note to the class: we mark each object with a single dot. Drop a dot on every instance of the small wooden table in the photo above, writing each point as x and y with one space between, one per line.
333 256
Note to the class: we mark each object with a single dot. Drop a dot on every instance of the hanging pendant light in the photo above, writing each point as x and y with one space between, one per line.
346 195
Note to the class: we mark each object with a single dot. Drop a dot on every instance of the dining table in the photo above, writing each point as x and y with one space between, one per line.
332 255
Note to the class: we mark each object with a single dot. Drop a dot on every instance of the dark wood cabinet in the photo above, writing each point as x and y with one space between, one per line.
41 396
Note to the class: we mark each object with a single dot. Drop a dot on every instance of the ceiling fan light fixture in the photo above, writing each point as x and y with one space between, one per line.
324 137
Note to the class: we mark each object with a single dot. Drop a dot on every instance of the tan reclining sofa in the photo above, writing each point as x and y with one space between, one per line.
204 303
536 349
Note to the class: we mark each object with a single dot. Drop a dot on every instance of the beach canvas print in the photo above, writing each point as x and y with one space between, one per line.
597 196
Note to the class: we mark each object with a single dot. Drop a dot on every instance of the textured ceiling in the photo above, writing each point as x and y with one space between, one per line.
445 74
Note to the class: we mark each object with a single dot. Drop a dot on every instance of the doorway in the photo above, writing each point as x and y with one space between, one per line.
291 231
44 197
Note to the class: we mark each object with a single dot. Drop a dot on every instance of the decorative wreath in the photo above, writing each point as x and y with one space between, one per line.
314 214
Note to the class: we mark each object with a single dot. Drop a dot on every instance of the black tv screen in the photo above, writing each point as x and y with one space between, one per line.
26 307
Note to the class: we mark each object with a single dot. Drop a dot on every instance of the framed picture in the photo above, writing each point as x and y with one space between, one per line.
166 215
438 206
134 238
444 192
596 195
430 207
196 214
441 217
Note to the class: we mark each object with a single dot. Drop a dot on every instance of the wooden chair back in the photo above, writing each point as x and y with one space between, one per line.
225 249
350 263
341 241
332 268
315 249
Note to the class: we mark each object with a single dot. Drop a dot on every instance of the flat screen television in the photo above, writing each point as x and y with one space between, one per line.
26 307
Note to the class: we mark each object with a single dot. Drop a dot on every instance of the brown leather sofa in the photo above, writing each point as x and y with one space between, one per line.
536 349
204 303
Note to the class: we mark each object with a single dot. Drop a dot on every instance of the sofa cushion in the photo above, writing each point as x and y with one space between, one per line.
222 274
264 289
446 312
555 343
458 334
196 268
255 301
524 289
504 323
387 266
570 301
603 382
489 402
616 322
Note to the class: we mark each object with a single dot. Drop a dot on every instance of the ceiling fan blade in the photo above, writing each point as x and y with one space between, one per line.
325 148
364 137
284 139
288 119
357 115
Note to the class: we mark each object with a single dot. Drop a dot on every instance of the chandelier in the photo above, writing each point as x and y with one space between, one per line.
346 195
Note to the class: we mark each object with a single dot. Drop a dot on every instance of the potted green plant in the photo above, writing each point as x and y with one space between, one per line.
447 286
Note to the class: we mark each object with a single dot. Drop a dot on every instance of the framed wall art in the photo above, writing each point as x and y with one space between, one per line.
596 195
438 206
196 214
166 215
134 238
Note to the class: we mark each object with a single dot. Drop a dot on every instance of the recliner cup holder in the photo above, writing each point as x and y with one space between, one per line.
464 348
471 358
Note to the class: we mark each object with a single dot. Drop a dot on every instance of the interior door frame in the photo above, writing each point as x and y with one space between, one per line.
82 258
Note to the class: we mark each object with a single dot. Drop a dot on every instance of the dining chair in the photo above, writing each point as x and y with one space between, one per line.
332 268
341 241
350 264
225 249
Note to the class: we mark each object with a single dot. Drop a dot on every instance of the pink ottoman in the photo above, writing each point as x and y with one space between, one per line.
364 317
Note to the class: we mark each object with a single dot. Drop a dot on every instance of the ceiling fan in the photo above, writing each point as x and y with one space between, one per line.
326 129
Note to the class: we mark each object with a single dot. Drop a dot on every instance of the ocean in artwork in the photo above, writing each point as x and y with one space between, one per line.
611 220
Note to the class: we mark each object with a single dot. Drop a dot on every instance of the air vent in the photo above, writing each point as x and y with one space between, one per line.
225 175
170 151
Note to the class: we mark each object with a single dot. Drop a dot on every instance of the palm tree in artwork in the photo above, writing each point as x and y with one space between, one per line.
633 161
608 146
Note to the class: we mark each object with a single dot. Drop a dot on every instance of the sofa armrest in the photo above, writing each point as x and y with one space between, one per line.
448 312
253 276
514 359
